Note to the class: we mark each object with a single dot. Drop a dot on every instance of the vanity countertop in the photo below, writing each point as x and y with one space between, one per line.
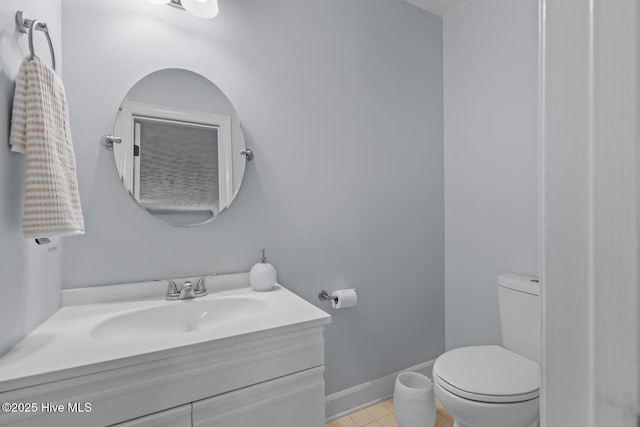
66 345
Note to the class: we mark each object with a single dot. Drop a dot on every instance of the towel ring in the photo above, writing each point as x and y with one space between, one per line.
42 27
29 25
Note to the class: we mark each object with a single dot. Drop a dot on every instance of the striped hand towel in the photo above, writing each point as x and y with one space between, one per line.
40 130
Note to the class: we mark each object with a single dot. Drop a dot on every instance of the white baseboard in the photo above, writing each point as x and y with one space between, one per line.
363 395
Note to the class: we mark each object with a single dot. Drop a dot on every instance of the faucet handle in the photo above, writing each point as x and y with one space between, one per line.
201 289
172 291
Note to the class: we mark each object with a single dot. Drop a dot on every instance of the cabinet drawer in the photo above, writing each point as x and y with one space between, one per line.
292 401
176 417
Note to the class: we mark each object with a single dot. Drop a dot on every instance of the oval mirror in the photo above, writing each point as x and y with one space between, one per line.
178 150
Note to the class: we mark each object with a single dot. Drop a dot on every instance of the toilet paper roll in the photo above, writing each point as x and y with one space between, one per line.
346 298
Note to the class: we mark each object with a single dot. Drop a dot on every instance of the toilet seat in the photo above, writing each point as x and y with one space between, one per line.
490 374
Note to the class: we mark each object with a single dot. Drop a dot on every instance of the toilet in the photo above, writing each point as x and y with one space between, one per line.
497 386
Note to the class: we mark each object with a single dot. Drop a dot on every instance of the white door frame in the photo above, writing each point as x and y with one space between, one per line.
589 212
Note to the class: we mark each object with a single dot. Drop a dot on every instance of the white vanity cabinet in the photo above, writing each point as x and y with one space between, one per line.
266 370
232 385
290 401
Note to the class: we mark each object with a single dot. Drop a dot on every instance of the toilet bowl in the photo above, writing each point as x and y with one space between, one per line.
497 386
488 386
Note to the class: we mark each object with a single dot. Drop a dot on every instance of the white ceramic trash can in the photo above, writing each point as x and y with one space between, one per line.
413 400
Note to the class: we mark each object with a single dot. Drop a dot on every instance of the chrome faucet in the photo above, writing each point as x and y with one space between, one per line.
187 291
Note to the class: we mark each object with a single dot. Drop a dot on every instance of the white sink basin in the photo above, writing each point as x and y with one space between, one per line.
178 317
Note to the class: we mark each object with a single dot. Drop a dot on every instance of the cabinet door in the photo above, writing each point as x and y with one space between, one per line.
295 400
176 417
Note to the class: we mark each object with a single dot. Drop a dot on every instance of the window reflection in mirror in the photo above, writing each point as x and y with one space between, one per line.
180 152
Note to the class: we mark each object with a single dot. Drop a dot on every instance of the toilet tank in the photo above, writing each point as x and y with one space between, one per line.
519 302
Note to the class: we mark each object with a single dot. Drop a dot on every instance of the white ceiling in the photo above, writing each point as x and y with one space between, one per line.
437 7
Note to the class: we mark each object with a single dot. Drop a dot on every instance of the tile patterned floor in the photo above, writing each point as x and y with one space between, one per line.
381 415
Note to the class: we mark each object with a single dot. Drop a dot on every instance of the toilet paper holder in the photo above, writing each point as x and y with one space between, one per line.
324 296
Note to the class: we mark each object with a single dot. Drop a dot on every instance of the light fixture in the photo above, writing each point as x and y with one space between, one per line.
205 9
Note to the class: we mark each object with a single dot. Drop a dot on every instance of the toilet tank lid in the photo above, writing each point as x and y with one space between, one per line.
518 282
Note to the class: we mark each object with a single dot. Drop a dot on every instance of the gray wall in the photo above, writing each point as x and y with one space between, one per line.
341 101
30 285
491 159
